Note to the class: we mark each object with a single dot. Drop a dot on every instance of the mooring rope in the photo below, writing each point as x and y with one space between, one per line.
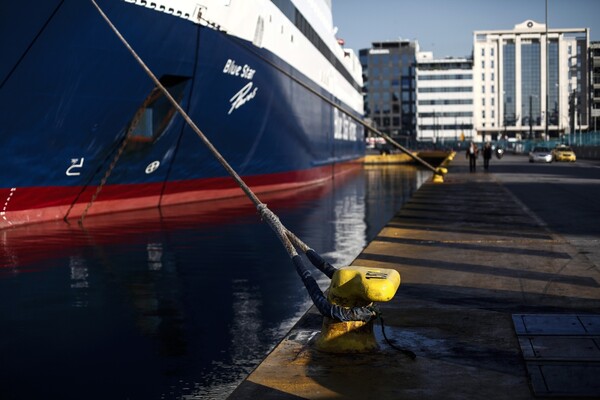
402 350
330 102
286 237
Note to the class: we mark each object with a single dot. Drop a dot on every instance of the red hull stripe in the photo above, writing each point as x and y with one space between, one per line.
37 204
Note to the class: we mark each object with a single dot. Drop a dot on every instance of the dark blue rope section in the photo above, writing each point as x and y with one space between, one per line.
404 351
321 264
327 309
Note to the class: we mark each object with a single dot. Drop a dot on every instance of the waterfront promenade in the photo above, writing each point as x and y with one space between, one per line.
500 295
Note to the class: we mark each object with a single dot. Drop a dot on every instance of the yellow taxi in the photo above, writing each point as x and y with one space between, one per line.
563 153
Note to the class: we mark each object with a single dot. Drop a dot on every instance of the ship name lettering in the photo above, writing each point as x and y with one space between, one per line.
343 127
242 97
232 68
248 72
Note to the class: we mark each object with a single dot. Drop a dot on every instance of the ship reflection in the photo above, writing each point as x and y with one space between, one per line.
36 244
196 294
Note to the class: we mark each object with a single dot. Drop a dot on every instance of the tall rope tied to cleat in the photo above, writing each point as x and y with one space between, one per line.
436 171
285 236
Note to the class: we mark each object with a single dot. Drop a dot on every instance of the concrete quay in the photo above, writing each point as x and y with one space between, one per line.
500 295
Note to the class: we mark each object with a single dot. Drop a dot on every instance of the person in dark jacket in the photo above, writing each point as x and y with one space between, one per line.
487 154
472 152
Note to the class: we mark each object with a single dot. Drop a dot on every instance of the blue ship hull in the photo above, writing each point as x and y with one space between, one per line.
83 128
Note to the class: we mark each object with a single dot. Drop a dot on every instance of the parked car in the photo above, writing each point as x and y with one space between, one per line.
564 153
540 154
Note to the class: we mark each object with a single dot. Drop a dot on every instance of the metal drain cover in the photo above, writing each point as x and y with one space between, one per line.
562 353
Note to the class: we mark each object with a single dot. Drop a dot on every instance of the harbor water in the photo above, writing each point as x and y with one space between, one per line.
174 303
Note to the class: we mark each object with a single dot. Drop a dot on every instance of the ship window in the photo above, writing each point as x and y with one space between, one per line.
153 117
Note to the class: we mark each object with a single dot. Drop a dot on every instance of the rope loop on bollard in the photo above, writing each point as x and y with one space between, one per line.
333 311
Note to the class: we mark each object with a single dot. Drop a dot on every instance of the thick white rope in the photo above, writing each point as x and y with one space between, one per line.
266 214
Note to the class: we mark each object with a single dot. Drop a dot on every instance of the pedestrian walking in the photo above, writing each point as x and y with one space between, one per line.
472 153
487 154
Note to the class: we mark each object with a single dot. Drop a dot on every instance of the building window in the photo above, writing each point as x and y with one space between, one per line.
531 82
553 85
482 51
483 101
483 64
509 84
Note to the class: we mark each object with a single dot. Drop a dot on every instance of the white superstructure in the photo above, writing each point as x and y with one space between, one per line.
272 25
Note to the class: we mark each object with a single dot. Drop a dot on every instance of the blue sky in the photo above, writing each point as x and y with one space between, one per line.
446 26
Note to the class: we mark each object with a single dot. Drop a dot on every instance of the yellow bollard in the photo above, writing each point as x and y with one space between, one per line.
356 287
438 175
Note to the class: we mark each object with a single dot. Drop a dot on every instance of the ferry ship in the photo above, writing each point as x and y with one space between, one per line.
84 130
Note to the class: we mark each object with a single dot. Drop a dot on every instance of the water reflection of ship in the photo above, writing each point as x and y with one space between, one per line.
149 279
211 303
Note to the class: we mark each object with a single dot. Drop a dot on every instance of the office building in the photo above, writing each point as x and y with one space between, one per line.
530 82
444 98
389 86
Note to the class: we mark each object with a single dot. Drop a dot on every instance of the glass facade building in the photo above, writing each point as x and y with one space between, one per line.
389 86
530 81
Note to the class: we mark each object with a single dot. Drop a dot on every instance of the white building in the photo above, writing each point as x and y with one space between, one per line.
530 81
444 98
